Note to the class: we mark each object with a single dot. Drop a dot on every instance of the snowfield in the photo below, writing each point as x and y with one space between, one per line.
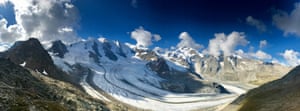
130 81
137 86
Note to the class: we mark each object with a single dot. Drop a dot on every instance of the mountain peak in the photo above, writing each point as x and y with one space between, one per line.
58 48
30 51
36 58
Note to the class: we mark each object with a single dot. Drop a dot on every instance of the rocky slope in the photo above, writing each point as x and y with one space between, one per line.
183 81
32 55
279 95
23 90
226 68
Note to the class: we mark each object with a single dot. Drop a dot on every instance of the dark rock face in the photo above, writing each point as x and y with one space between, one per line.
31 52
119 49
173 86
108 52
59 48
182 82
36 58
121 52
96 50
19 86
94 56
25 90
147 55
16 76
160 66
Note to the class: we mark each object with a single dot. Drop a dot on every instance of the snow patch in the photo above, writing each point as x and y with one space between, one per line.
23 64
44 72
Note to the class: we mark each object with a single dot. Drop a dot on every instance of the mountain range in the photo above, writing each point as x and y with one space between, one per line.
100 74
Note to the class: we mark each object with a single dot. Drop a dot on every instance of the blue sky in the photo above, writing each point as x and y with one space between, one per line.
201 19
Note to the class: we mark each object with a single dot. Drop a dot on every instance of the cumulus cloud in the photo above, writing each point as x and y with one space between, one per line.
263 43
288 22
291 57
259 25
226 44
4 47
241 53
143 37
261 55
187 41
156 37
10 33
46 20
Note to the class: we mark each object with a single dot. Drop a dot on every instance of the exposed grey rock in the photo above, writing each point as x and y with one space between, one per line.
120 50
146 54
23 90
108 52
183 81
36 58
58 48
173 86
94 56
96 49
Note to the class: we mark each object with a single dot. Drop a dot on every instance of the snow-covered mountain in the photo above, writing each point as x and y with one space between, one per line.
226 68
177 79
139 76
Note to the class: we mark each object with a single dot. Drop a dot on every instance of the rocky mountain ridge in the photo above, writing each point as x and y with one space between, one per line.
279 95
123 72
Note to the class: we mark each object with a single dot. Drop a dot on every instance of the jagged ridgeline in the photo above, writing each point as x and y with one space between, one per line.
86 74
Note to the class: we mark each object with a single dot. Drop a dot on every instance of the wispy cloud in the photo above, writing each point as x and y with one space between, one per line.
259 25
288 22
134 3
263 43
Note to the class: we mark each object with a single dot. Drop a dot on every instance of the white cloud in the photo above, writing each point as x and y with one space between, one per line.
65 30
187 41
241 53
46 20
256 23
9 34
4 47
291 57
261 55
69 5
156 37
288 22
274 60
263 43
226 44
3 2
143 37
